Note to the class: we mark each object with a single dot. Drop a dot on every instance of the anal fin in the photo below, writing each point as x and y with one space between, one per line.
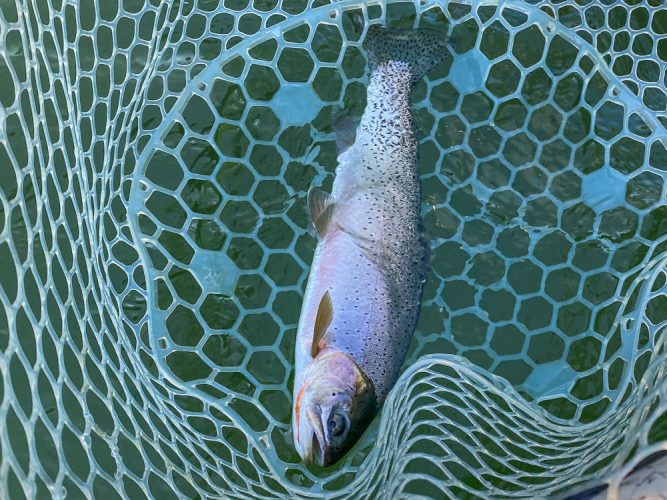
345 128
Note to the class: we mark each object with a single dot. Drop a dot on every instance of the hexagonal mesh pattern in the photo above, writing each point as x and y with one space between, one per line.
154 161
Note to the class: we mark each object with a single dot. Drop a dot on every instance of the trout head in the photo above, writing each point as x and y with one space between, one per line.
332 409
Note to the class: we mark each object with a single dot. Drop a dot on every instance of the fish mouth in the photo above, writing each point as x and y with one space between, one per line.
315 451
319 454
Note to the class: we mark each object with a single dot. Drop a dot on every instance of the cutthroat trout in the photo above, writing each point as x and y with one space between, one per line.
365 284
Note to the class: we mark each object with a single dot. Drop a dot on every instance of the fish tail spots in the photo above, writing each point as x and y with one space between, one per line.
420 49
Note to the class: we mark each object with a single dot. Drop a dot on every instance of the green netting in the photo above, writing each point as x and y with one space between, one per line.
154 161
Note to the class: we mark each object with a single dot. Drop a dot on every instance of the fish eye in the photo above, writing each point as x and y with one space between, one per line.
336 424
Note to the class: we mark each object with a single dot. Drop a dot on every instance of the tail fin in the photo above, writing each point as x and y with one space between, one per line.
421 49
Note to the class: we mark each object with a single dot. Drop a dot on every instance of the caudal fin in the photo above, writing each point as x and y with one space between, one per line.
421 49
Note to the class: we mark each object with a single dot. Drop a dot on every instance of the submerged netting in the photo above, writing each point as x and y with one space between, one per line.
154 161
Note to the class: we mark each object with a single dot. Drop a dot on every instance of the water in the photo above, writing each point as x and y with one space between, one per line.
543 187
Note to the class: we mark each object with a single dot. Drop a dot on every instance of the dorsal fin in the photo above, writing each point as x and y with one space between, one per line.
322 322
321 207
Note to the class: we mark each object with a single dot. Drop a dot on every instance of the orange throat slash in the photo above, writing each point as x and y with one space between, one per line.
297 409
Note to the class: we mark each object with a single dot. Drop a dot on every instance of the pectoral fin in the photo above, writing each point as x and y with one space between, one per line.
322 322
321 207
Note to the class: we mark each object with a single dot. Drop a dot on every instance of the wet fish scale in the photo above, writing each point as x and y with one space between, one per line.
379 209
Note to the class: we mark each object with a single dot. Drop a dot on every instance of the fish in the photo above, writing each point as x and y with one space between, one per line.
364 290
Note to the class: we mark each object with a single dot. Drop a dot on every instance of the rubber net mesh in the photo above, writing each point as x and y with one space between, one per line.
154 161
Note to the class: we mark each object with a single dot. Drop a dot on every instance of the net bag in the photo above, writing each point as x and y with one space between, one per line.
154 164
